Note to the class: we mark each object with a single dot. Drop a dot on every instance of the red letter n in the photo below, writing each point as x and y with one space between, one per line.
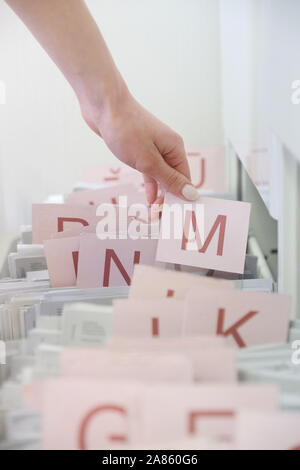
220 223
111 255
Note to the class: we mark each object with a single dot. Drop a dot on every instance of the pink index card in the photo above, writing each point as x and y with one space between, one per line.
111 365
208 233
111 175
183 344
50 219
62 261
109 263
75 232
214 365
117 195
276 430
148 318
173 412
98 196
89 414
212 360
150 282
207 167
246 318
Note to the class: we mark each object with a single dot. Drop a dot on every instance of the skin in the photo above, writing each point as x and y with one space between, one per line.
69 34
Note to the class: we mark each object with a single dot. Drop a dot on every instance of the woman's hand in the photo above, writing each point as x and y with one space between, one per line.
67 31
140 140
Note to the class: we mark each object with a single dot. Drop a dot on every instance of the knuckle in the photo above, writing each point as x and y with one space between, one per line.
178 139
173 180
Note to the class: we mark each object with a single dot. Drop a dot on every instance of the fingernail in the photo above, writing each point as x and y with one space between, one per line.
190 192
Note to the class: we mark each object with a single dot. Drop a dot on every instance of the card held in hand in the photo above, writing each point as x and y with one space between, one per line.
208 233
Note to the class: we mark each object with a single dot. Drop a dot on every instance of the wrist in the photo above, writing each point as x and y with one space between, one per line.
101 100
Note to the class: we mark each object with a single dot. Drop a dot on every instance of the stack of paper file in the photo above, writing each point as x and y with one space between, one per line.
113 358
122 340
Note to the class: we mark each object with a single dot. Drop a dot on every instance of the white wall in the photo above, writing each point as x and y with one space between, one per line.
245 85
284 68
167 50
260 60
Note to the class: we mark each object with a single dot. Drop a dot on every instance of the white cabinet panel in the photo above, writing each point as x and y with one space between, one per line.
260 59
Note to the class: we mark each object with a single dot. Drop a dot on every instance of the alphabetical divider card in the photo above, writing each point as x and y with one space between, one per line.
148 318
208 233
87 414
112 175
210 410
50 219
265 430
99 196
55 220
207 167
170 344
150 282
117 194
110 263
62 260
213 360
110 365
246 318
62 254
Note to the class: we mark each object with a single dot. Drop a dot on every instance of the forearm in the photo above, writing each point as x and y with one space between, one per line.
69 34
67 31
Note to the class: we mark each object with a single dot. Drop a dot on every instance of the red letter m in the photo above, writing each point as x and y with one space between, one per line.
220 223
